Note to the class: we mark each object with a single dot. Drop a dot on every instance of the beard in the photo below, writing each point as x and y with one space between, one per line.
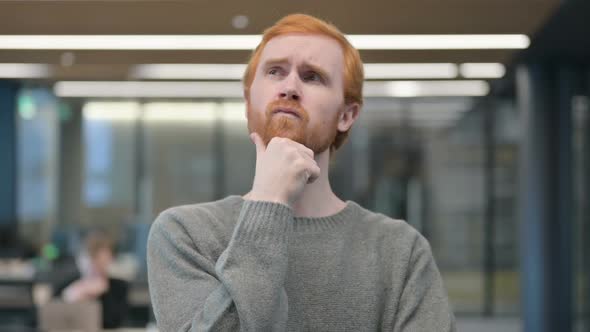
270 124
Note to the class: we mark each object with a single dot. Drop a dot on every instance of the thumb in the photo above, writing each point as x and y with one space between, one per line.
260 147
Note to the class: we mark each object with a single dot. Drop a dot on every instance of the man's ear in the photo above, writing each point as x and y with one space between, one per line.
348 116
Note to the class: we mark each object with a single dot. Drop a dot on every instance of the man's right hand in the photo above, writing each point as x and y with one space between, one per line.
85 289
283 168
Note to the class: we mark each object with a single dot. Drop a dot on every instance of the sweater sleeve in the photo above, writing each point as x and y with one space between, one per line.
243 290
424 304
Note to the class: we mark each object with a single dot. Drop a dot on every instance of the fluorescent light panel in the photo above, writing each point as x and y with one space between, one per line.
136 89
409 70
235 71
205 71
372 71
432 104
249 42
129 42
403 89
164 112
482 70
438 42
132 89
24 70
110 111
198 112
180 112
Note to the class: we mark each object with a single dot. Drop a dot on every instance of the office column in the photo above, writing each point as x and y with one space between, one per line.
544 96
585 215
487 108
8 170
71 167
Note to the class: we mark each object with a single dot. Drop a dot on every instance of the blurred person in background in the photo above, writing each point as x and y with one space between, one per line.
91 281
290 255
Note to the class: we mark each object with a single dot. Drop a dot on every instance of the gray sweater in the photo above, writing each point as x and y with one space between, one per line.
242 265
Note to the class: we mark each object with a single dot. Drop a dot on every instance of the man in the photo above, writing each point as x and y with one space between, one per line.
92 281
290 255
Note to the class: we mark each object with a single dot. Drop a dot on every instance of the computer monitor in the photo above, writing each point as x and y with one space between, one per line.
57 315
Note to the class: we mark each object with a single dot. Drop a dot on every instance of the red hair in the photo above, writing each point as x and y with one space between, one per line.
306 24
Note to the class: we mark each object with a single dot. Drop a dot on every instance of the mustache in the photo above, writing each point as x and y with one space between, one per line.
287 104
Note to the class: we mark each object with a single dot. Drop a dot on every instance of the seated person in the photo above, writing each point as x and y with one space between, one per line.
92 281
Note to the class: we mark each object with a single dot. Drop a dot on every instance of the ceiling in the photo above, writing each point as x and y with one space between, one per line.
215 17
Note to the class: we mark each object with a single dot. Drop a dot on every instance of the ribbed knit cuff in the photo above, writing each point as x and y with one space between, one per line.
262 221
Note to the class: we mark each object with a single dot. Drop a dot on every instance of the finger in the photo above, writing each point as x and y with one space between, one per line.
307 157
302 148
305 150
313 172
260 147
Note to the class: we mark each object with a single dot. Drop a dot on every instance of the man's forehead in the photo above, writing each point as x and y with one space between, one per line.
313 49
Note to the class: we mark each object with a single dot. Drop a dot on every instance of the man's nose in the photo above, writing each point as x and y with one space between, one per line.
290 89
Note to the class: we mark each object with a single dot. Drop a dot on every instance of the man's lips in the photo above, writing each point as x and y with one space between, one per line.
286 111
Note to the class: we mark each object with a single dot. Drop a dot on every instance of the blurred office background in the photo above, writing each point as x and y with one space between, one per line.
482 144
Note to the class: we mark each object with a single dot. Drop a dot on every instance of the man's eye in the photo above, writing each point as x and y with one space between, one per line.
312 76
273 71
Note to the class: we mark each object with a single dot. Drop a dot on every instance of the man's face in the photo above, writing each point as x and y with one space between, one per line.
297 91
102 260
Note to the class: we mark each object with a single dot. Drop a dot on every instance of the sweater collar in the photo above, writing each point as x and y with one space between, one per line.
311 224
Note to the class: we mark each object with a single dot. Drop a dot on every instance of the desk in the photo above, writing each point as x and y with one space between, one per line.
147 329
16 293
16 302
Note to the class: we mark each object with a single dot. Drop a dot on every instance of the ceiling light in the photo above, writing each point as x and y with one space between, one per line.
482 70
438 42
410 70
180 112
67 59
240 21
136 89
236 71
372 71
189 71
24 70
425 88
110 111
249 42
129 42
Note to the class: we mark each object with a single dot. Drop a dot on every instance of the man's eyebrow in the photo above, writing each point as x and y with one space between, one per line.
276 61
317 69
